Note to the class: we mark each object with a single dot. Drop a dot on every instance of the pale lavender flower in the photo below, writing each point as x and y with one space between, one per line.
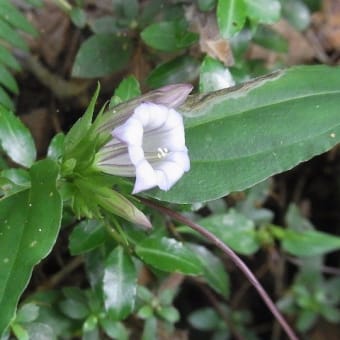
149 145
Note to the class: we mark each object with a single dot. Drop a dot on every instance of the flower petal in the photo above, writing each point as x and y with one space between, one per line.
131 132
145 177
168 173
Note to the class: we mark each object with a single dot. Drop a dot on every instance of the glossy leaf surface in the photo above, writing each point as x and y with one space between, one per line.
240 136
29 224
119 284
15 138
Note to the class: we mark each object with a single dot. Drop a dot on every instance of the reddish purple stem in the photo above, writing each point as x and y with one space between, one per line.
236 260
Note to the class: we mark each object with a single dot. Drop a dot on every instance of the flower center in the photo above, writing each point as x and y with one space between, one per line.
162 152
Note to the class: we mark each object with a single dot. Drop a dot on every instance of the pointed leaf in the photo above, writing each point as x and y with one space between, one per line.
7 59
119 284
28 236
82 126
7 33
12 15
16 139
101 55
168 255
231 16
238 137
307 243
266 11
7 80
214 271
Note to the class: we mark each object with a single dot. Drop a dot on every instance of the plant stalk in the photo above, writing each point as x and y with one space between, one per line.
234 258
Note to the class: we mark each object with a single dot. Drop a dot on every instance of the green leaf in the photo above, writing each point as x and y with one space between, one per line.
78 17
266 11
169 36
74 309
56 148
214 76
230 150
119 284
27 313
115 330
7 80
5 99
128 88
168 255
28 236
204 319
266 37
297 13
170 314
214 271
7 59
150 329
307 243
13 181
206 5
79 130
86 236
235 230
16 139
8 34
231 16
10 14
179 70
101 55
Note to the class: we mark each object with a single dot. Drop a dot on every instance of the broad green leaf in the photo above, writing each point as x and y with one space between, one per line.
119 284
7 59
16 139
306 243
101 55
168 255
7 80
179 70
13 181
238 137
233 229
10 14
213 270
10 35
28 236
266 11
168 36
86 236
231 16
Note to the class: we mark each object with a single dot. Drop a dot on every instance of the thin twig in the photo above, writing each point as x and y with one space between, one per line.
236 260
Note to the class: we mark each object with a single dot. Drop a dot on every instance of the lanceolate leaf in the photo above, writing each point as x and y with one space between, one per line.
119 284
29 224
240 136
231 16
16 139
168 255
